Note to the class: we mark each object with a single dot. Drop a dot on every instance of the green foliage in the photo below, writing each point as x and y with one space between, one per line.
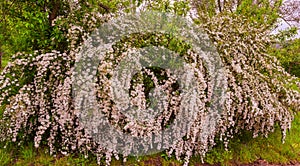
264 12
43 25
25 26
5 60
288 53
207 8
285 35
180 7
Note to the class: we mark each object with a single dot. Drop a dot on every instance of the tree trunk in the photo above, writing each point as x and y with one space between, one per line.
1 59
54 11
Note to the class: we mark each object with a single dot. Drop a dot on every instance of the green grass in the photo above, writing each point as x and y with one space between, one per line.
5 157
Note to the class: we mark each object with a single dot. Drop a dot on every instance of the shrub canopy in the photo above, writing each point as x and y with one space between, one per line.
36 90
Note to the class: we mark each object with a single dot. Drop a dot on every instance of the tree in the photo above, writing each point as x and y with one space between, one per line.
27 26
43 25
270 11
260 12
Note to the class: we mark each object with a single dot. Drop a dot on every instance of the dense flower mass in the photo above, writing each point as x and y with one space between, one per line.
36 91
260 92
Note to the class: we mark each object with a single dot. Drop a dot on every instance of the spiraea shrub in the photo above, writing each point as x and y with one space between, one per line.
261 92
36 92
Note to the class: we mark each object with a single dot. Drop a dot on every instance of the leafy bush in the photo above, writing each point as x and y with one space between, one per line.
288 53
36 92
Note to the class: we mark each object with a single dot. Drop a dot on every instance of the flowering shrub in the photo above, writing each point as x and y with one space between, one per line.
36 93
260 90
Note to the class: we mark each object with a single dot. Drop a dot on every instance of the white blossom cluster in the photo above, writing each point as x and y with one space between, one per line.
37 93
259 94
